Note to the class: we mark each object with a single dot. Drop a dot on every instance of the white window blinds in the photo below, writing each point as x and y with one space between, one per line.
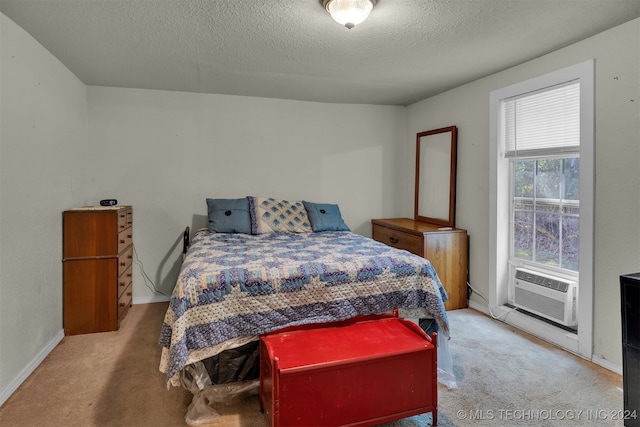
542 122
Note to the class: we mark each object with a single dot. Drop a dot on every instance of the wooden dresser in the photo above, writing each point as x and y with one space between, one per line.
444 247
97 268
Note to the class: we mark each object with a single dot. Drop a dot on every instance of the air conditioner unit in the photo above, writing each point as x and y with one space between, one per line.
549 297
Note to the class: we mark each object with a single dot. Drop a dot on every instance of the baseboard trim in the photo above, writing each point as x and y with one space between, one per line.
28 370
479 307
607 364
151 299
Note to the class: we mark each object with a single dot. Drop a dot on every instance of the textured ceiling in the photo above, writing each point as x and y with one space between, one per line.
406 51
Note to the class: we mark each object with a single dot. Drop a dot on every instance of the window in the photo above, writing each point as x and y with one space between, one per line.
546 212
541 199
541 137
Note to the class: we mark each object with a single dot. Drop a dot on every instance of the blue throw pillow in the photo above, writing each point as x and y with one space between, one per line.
325 217
229 215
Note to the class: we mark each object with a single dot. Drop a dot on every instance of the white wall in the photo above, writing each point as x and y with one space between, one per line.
43 156
165 152
617 199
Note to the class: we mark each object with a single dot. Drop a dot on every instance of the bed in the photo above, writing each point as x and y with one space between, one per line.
238 281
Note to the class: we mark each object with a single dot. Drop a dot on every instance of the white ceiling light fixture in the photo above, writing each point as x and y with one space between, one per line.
349 12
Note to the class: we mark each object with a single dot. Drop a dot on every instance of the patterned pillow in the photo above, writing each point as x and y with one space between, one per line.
270 215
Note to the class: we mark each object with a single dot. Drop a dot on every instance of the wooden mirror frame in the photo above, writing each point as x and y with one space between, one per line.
435 190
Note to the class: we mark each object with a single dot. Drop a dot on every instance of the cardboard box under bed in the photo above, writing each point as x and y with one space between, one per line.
362 373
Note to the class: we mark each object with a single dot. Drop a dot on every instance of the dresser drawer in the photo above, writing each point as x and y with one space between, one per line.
125 219
125 260
398 239
125 280
125 238
124 302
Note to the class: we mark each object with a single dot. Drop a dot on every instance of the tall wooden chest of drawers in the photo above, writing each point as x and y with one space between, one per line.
444 247
97 268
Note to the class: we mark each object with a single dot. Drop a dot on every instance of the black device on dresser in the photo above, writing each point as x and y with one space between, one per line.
630 302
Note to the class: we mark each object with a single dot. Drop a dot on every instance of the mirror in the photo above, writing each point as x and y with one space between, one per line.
436 156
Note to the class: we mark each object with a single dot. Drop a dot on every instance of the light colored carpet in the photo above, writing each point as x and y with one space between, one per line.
504 378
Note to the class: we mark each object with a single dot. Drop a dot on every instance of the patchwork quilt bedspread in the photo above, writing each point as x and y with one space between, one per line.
233 287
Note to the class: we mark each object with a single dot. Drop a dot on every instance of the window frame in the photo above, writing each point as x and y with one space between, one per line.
499 205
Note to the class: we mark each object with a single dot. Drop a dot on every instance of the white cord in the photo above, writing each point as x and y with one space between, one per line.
501 318
146 278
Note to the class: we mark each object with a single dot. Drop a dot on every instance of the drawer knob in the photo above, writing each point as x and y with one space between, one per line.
393 240
122 283
121 241
122 304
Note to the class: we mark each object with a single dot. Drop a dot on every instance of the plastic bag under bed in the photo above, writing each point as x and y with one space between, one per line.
233 375
445 361
201 410
226 379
